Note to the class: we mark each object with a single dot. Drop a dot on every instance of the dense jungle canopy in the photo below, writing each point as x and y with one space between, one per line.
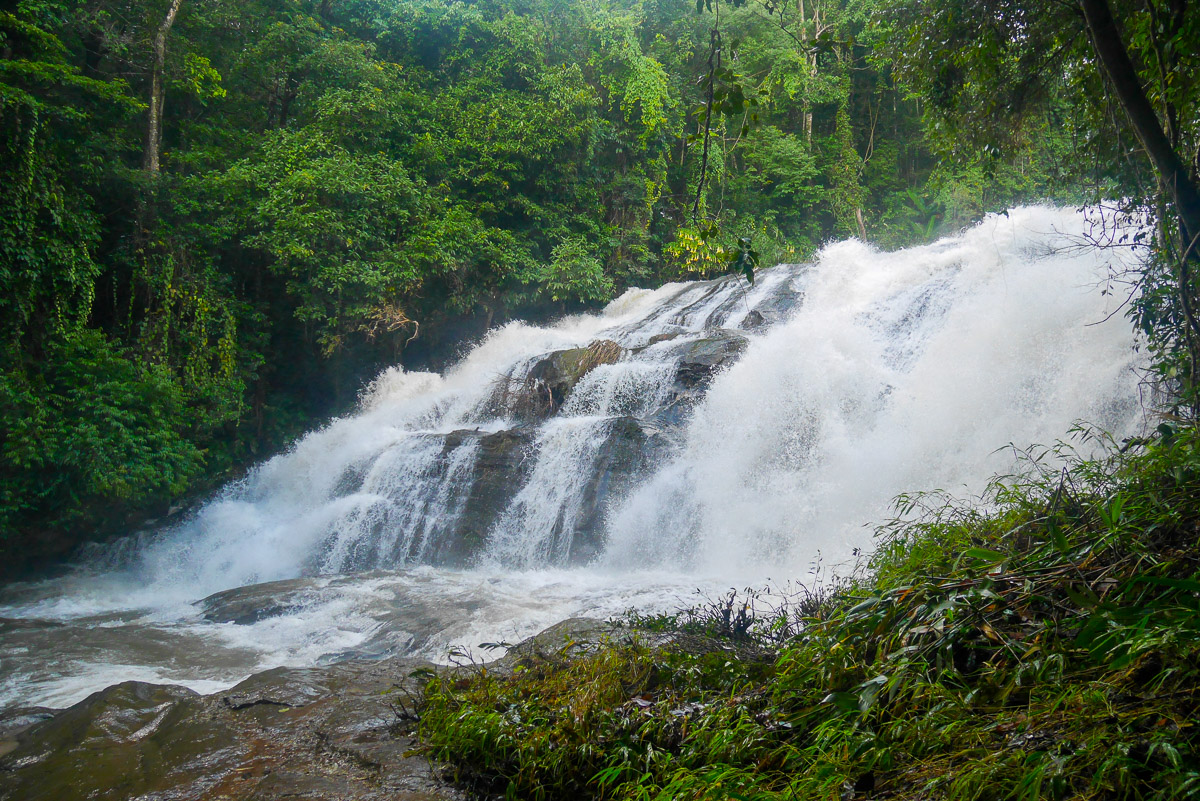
218 218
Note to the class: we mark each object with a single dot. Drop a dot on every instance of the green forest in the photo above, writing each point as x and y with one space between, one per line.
218 219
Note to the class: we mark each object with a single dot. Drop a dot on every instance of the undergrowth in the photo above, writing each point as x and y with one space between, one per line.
1043 644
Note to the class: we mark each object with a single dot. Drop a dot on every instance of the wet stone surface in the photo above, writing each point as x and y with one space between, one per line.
630 450
697 363
329 733
247 605
498 473
340 732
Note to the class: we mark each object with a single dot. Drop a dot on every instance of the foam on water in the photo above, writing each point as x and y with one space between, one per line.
425 612
900 371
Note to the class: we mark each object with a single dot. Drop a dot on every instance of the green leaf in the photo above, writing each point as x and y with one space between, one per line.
1084 598
847 702
1058 537
1188 585
985 555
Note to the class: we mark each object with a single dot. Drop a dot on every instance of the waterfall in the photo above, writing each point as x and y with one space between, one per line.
726 425
901 371
709 429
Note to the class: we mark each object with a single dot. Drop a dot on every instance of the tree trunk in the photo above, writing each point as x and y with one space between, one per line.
808 116
1111 52
1173 176
154 123
810 58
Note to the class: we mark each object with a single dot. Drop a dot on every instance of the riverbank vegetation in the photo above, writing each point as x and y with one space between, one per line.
1045 644
1040 643
218 219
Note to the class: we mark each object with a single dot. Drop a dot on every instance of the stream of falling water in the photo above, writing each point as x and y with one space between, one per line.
738 433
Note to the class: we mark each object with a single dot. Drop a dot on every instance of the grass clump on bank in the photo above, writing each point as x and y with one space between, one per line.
1043 645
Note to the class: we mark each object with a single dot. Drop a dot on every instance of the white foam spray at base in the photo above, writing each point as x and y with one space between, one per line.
863 375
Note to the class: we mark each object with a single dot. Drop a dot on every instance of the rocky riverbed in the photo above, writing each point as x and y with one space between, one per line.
342 732
336 732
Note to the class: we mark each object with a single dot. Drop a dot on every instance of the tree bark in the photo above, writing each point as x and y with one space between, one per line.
1173 176
810 58
150 160
1114 58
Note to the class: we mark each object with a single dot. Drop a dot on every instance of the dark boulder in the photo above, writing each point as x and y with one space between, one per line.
773 309
632 448
664 337
499 471
754 319
247 605
701 359
544 389
697 362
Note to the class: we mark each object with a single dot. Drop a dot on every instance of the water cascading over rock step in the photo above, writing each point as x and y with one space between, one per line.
700 435
587 422
711 422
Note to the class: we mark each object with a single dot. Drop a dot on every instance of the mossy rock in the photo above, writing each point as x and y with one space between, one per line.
551 379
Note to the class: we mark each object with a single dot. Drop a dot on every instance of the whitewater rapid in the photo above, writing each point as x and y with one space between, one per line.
854 378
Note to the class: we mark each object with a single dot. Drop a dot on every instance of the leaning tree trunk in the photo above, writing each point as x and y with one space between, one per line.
1111 52
1174 179
150 154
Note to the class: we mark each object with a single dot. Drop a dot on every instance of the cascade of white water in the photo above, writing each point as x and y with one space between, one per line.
409 497
537 528
881 373
900 371
732 434
380 489
628 388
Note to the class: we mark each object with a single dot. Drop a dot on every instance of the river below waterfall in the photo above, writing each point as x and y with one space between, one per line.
700 435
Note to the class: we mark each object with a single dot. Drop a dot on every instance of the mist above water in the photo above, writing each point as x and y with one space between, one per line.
841 383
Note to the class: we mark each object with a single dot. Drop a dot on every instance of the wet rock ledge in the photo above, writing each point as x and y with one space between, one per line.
335 733
341 732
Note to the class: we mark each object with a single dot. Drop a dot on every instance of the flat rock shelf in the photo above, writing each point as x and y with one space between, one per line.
341 732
